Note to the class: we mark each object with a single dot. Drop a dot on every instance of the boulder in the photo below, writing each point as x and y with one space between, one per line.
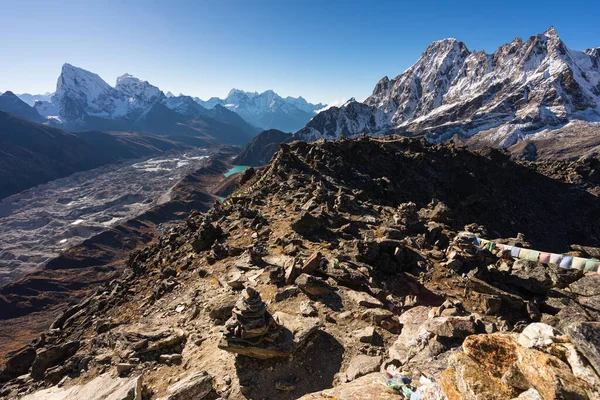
101 388
494 352
451 327
550 376
362 365
537 335
286 293
586 337
206 236
234 278
306 223
293 268
501 361
51 356
308 309
195 386
463 380
219 308
368 387
413 336
18 364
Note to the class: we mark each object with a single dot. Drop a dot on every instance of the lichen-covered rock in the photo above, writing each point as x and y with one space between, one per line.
368 387
463 380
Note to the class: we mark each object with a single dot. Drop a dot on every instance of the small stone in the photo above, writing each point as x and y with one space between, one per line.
170 358
363 299
180 308
286 293
346 315
124 368
451 327
227 380
362 365
365 335
313 286
195 386
103 358
537 335
312 263
308 309
285 385
292 270
376 315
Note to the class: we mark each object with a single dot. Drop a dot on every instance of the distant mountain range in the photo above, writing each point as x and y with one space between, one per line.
83 100
267 110
498 99
30 99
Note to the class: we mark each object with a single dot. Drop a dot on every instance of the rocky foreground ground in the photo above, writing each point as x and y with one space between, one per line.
346 276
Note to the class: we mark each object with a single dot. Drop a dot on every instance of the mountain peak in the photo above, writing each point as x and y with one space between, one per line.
79 80
551 32
126 76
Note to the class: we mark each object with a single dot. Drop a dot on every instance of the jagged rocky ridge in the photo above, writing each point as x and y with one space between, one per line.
495 99
347 264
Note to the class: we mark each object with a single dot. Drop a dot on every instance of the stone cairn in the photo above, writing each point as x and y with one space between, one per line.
250 321
462 250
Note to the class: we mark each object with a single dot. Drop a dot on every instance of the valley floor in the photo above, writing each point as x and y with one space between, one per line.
40 223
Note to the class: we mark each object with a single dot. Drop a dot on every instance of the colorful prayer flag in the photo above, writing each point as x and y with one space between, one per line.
515 252
591 265
555 258
566 262
533 255
544 257
579 263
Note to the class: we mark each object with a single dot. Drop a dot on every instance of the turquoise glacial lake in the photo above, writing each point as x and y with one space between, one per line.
236 169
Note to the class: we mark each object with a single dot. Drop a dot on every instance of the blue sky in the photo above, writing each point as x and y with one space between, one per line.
323 50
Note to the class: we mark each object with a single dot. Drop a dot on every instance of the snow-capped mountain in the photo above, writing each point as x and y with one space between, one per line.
30 99
80 93
267 110
84 101
139 94
495 98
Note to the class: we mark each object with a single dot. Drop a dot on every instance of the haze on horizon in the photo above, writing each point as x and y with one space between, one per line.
323 52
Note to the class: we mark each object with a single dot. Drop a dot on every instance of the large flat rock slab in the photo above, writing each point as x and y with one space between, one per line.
101 388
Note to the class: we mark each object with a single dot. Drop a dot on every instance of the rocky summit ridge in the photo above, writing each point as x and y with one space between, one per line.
339 277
